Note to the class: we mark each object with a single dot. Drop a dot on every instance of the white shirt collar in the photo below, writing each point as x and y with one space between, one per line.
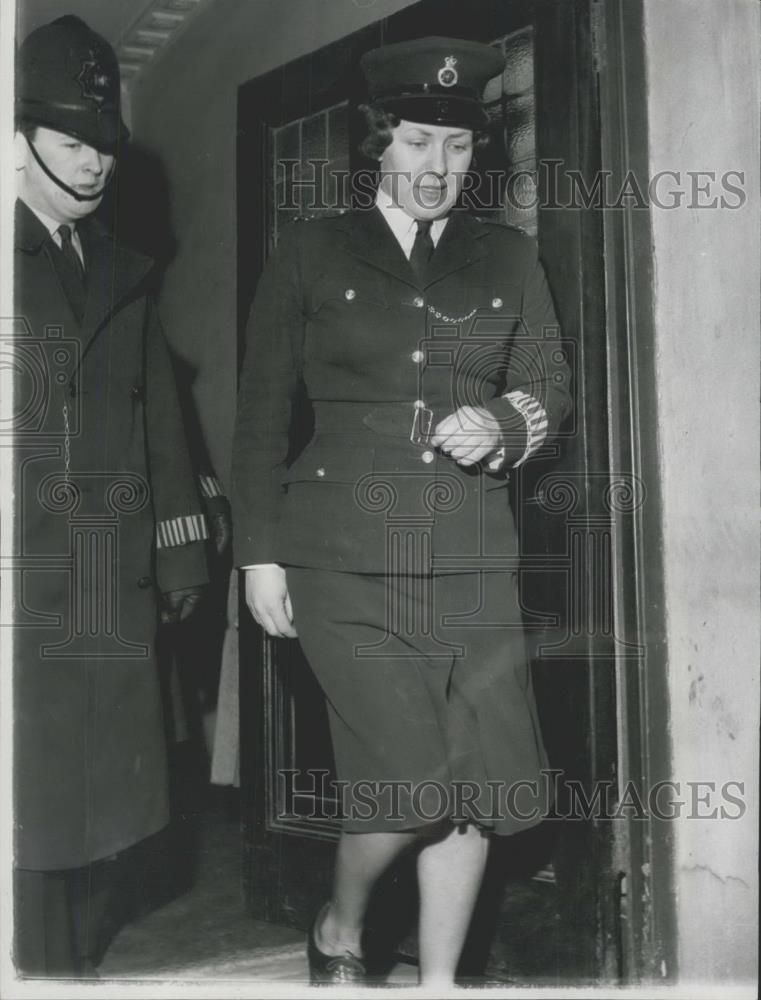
403 226
52 227
48 222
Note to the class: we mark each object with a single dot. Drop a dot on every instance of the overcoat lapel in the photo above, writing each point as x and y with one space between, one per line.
31 238
114 273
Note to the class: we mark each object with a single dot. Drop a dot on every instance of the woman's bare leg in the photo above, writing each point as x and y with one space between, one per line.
450 871
361 860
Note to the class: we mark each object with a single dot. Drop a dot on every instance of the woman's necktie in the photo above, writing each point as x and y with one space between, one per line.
422 249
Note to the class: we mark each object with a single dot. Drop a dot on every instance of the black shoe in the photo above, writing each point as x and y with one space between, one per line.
333 970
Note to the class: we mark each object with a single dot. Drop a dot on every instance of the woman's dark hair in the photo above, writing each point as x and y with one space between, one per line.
380 125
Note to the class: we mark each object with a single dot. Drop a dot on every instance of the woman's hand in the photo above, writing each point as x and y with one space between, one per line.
268 601
467 435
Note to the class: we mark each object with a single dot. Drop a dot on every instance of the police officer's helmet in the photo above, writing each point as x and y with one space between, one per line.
67 79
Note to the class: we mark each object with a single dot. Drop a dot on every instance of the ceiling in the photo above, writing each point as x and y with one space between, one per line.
138 29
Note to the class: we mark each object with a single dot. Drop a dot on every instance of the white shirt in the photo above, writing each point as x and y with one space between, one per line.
403 226
52 227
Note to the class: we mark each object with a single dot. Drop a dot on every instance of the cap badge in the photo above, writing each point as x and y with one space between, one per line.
447 75
95 84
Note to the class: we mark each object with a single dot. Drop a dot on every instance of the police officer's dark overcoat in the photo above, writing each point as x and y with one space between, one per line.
339 307
90 768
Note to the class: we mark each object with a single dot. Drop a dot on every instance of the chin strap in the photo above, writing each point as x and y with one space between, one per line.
65 187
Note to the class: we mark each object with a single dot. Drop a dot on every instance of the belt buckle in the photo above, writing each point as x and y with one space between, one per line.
421 425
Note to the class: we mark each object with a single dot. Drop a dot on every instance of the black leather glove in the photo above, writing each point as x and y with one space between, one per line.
180 604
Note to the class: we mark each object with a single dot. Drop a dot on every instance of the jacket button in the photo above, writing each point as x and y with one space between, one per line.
427 457
349 294
144 582
497 303
417 356
136 392
320 472
418 301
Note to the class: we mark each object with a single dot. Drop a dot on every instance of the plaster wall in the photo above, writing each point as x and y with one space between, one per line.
184 112
703 80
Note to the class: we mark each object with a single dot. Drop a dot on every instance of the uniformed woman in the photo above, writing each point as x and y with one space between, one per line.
426 341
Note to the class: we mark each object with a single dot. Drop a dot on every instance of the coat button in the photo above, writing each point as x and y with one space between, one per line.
427 457
136 392
320 472
144 582
418 301
417 356
350 294
497 303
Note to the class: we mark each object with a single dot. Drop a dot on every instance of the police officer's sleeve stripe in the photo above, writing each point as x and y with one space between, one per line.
210 486
535 416
181 531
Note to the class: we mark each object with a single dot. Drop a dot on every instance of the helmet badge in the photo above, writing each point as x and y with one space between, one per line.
448 75
94 82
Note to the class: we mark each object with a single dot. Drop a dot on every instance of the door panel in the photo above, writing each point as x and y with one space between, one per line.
548 911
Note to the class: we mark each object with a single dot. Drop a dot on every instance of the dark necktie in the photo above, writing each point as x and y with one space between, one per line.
71 255
71 272
422 249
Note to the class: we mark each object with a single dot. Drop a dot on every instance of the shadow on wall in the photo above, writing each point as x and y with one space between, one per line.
137 205
137 208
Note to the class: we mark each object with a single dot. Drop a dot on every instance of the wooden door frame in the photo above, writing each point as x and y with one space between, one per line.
644 847
640 905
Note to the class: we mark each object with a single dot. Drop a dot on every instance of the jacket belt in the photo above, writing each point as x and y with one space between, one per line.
351 419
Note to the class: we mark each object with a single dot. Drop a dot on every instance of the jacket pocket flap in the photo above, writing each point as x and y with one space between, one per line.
347 292
328 465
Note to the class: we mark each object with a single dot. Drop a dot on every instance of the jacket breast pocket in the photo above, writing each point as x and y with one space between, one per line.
497 307
348 327
345 296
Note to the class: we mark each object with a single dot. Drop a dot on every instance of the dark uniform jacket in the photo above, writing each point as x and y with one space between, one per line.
107 516
339 309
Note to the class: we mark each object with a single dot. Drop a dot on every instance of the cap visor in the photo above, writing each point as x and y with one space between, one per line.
460 112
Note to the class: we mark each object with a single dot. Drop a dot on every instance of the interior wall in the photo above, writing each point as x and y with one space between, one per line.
184 115
703 78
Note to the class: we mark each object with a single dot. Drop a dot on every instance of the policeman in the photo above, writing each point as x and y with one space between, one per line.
426 341
108 515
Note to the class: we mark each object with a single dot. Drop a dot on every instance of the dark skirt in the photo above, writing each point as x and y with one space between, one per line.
429 696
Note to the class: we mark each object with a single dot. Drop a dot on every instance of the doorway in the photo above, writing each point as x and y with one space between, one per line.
557 907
